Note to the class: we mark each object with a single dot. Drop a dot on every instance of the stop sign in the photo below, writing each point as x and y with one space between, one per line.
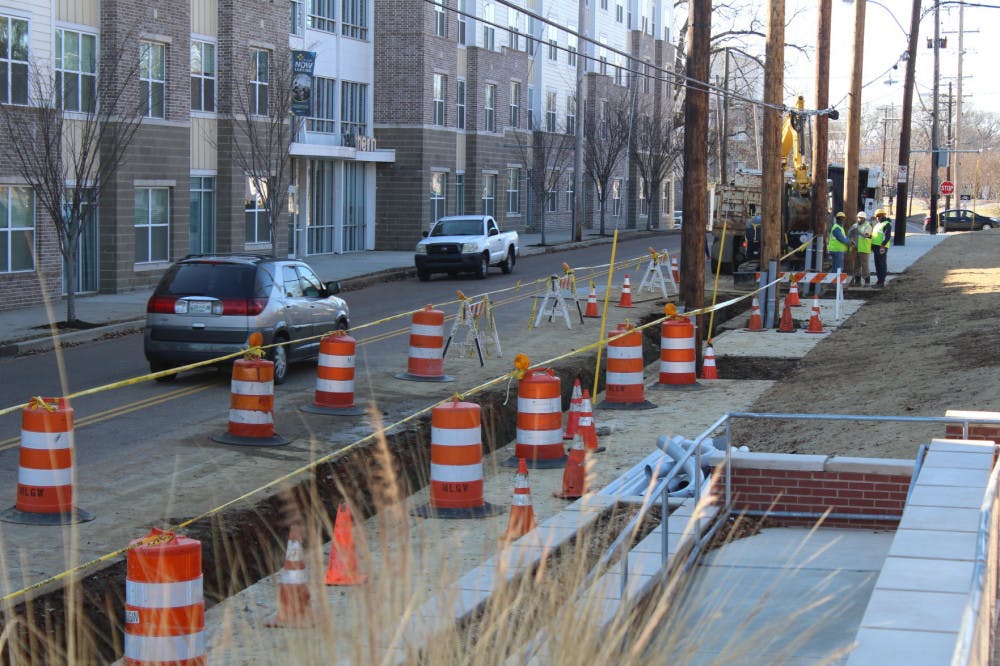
947 187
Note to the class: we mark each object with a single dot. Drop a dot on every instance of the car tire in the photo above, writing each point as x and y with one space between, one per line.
986 226
423 274
484 266
507 267
159 366
278 354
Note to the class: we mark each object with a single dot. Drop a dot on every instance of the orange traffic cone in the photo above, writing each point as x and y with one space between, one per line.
626 300
294 609
522 515
573 419
575 475
587 428
674 270
755 323
815 325
787 325
591 310
708 369
343 566
793 293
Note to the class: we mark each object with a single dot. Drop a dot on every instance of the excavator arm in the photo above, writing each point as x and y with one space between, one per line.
792 148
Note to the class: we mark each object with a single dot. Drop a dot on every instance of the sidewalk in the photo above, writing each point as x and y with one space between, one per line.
24 329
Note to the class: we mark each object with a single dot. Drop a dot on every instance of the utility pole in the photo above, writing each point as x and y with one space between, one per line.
949 147
854 115
724 150
578 180
692 287
772 185
903 173
933 226
958 103
820 147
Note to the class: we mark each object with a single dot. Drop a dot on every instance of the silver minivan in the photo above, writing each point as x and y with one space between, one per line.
206 306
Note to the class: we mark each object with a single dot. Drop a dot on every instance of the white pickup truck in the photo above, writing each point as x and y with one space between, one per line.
465 243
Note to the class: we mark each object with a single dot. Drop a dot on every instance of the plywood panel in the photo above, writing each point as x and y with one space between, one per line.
204 132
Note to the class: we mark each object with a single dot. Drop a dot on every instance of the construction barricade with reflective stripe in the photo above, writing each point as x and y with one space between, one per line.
623 381
335 377
426 359
251 405
677 354
539 421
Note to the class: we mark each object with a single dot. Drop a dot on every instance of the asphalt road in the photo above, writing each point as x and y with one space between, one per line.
109 421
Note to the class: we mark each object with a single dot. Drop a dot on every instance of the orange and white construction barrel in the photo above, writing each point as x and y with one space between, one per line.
539 421
677 352
335 377
164 605
457 463
45 467
623 379
426 359
251 405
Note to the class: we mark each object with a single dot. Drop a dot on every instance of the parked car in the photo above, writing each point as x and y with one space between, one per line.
206 306
464 244
960 219
678 218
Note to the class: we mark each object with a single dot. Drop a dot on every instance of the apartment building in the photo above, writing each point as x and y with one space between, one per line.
470 93
202 67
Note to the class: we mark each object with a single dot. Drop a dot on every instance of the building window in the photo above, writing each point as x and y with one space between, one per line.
643 199
152 224
354 108
461 23
645 78
260 76
553 43
321 15
460 105
570 190
604 4
620 13
17 229
13 60
603 57
439 193
531 108
75 70
490 108
354 19
513 34
550 112
513 191
529 41
460 194
440 19
152 79
603 128
515 104
324 109
296 17
571 115
552 193
439 84
202 236
618 70
489 34
256 225
202 76
616 197
571 53
489 194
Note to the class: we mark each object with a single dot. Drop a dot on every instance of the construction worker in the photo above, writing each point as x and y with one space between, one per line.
861 240
837 243
881 241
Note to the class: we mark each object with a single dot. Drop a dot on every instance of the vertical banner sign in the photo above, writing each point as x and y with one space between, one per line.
302 82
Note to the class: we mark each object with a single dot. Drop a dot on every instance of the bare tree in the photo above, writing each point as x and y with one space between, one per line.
605 139
264 129
70 139
545 156
657 147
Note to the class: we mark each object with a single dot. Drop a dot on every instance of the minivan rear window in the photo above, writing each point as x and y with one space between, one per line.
208 279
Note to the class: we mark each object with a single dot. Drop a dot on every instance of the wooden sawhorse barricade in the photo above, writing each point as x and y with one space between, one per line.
475 330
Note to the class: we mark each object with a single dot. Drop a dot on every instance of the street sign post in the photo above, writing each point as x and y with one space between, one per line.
947 188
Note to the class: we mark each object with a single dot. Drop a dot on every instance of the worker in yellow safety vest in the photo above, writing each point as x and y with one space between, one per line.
881 242
837 243
861 240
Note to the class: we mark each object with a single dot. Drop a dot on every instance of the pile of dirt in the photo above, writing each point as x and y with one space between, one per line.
921 346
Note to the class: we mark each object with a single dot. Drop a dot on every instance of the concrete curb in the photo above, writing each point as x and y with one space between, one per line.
48 342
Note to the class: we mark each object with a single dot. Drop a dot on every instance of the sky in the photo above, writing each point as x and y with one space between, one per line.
885 41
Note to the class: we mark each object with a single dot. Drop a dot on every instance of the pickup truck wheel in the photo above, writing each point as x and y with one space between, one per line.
508 264
483 267
423 274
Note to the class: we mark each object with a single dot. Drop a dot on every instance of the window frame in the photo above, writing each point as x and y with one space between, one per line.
440 19
354 107
296 17
459 194
488 195
515 104
325 100
147 83
490 108
322 15
513 198
150 226
354 19
551 102
460 105
440 81
260 216
259 103
571 114
61 71
8 232
200 78
439 195
552 191
12 64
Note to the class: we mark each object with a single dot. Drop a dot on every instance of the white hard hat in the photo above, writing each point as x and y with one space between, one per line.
861 215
